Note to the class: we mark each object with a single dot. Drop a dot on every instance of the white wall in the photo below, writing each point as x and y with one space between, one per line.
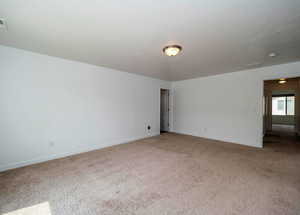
226 107
51 107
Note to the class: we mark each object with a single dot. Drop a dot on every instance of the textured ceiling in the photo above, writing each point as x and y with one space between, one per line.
217 36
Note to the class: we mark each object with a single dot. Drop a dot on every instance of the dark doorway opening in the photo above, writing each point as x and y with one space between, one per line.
164 110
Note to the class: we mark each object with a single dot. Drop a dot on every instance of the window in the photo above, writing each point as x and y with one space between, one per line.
283 105
290 105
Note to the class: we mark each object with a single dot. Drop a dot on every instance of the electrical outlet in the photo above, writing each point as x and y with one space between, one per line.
3 24
148 127
51 144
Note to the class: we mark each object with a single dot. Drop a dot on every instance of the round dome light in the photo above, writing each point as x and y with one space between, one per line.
172 50
272 54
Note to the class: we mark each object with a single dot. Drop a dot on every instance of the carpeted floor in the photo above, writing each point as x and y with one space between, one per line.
169 174
284 129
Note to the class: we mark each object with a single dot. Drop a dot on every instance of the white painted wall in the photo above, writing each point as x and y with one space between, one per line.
51 107
226 107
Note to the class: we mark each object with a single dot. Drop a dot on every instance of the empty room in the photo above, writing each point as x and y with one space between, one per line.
149 107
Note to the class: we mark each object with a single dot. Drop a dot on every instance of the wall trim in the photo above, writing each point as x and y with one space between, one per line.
70 153
220 140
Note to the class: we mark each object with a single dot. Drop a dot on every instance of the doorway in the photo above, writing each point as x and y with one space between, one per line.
281 110
164 110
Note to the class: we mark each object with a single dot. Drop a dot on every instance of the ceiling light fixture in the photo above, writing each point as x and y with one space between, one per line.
172 50
272 54
282 81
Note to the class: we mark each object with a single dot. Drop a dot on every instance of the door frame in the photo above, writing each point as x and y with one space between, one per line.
297 104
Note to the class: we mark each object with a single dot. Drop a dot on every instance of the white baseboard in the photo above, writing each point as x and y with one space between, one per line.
222 140
69 153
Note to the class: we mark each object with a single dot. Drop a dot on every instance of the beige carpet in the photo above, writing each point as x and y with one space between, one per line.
168 174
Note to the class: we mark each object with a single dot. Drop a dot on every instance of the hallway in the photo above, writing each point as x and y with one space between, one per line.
282 137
